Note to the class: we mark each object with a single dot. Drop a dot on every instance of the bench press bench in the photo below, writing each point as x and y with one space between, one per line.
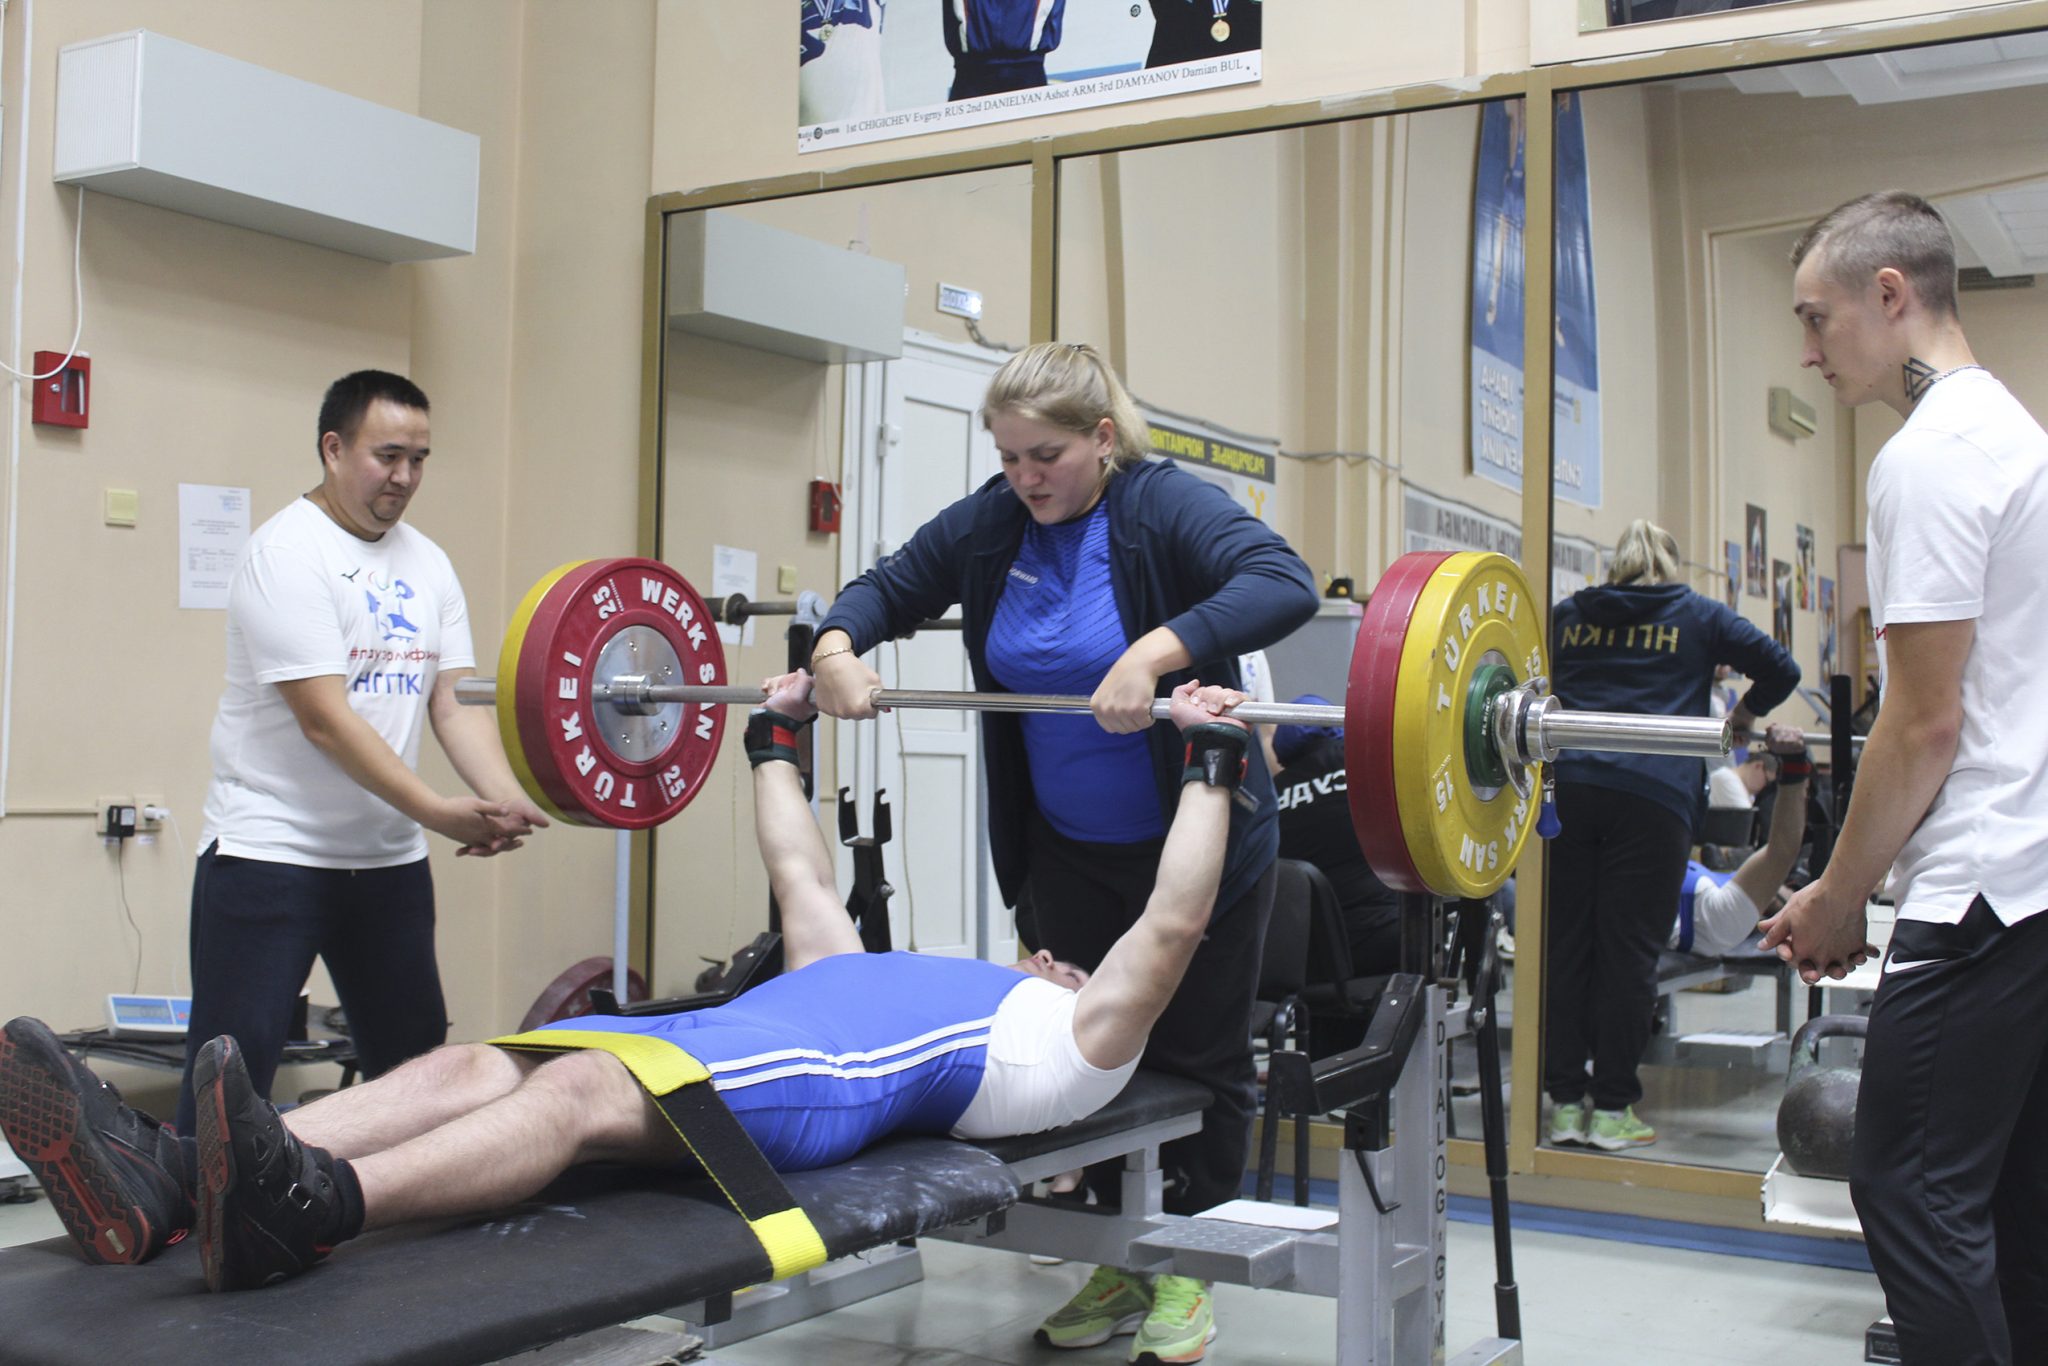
600 1246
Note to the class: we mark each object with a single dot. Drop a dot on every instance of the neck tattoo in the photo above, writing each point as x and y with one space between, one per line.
1920 376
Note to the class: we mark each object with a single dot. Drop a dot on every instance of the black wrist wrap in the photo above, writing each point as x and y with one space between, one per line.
1794 768
771 735
1215 754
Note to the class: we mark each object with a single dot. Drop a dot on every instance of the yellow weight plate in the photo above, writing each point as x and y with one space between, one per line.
1474 619
508 685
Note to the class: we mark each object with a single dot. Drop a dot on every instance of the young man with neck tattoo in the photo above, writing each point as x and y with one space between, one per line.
1950 1168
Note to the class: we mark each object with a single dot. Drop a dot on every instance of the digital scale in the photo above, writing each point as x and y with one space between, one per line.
148 1017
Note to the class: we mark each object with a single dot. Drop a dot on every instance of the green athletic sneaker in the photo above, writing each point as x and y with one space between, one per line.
1568 1124
1614 1130
1181 1325
1112 1303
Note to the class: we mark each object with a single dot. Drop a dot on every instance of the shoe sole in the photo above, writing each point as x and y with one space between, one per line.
216 1166
1181 1359
1615 1145
1563 1140
1122 1328
45 1126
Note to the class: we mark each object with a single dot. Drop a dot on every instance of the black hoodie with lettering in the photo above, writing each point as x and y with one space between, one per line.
1651 649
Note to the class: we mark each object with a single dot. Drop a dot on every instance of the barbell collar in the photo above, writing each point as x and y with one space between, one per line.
1544 729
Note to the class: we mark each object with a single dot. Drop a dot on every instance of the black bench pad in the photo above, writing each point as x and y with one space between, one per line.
598 1247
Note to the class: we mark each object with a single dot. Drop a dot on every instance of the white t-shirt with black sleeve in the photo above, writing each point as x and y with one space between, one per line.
309 599
1959 531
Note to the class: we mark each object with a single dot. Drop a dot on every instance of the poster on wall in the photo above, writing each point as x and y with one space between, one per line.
1802 567
1575 357
1498 213
871 70
1731 589
1432 522
1243 469
1758 561
1499 217
1826 600
1781 603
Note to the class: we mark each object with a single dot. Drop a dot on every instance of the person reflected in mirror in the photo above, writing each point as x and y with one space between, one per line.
1643 642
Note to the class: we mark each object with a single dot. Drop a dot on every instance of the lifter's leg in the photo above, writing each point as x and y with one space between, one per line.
270 1205
581 1107
410 1100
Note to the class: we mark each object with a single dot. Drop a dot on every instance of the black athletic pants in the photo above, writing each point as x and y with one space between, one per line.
256 929
1950 1174
1616 868
1085 895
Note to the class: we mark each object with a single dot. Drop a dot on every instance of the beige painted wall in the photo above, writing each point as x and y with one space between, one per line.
211 346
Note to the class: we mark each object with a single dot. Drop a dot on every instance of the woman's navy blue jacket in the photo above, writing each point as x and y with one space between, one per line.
1651 649
1182 555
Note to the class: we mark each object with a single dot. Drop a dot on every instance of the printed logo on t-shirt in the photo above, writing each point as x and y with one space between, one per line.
1021 576
386 602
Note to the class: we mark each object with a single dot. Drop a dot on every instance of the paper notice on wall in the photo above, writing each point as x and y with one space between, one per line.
213 524
733 571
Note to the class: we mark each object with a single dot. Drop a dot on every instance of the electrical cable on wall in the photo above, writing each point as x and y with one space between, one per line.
121 873
77 301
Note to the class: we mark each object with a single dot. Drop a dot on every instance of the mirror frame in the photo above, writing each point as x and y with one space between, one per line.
1577 1180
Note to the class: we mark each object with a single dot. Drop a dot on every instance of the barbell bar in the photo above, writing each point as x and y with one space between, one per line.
1551 730
611 694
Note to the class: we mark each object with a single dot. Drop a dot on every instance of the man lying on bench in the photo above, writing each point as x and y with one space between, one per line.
841 1050
1717 911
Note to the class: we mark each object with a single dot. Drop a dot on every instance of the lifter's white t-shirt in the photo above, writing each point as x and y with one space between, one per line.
309 599
1959 530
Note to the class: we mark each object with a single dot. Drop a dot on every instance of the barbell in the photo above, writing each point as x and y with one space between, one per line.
611 693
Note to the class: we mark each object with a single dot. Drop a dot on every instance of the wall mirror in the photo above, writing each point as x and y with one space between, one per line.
1703 421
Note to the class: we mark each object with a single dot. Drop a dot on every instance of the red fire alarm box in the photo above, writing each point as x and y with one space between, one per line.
824 505
63 399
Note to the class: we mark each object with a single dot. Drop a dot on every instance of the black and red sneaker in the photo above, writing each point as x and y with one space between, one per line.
114 1175
267 1202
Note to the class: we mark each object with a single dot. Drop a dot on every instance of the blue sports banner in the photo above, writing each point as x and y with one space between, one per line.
1499 217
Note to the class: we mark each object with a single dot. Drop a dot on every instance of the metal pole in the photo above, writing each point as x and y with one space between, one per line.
1616 731
622 913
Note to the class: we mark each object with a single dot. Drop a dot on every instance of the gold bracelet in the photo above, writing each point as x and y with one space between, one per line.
827 654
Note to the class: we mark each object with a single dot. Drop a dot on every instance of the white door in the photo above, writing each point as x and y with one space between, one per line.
920 447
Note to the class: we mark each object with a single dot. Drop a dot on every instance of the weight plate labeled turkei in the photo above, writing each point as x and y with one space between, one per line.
1472 632
584 625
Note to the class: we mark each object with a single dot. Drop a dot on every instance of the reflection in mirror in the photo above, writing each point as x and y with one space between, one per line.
1283 307
805 346
1710 428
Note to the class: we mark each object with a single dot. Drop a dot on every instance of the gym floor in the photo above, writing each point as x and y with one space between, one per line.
1585 1302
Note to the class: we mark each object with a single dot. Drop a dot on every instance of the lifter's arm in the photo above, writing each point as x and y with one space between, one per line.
1763 872
814 922
1121 1002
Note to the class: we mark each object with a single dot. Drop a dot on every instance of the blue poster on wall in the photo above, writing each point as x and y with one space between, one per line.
1499 213
1575 425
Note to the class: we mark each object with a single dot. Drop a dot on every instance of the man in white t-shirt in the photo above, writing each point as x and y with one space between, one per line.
1950 1170
346 633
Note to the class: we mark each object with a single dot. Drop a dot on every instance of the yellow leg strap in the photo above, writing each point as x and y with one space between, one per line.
678 1084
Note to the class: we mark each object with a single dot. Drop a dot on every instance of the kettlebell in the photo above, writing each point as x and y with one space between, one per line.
1817 1117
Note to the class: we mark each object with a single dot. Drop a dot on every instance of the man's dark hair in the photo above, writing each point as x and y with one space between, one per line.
349 397
1889 228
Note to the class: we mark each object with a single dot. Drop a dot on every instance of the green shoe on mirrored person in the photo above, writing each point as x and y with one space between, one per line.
1613 1130
1567 1125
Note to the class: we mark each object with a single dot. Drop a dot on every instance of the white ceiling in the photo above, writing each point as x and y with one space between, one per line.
2005 230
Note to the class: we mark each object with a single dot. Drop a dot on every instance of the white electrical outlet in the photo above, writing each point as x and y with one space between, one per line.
144 822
